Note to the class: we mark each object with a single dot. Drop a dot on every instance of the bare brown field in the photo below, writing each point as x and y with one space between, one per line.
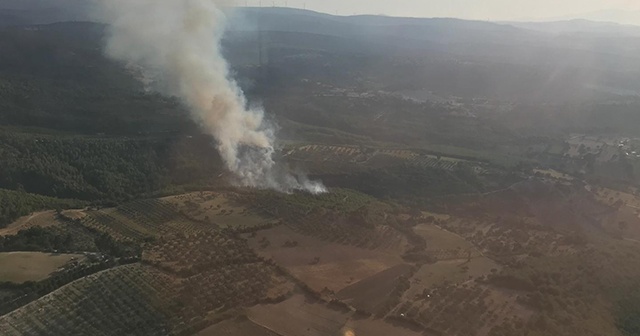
298 316
37 219
449 272
373 293
217 208
19 267
237 327
462 310
318 263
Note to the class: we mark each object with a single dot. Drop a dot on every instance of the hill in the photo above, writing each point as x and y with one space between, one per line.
483 181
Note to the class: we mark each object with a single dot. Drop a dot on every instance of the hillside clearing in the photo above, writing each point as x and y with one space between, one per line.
37 219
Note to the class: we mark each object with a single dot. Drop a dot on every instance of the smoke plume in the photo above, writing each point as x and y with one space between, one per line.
178 42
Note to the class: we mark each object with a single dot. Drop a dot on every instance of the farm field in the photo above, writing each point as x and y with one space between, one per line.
296 274
318 263
300 316
372 156
19 267
377 328
462 310
237 327
374 294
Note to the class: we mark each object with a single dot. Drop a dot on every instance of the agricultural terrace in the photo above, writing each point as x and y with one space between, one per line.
319 153
128 300
138 220
191 254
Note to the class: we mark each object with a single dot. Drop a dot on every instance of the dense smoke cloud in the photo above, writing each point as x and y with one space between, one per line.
178 41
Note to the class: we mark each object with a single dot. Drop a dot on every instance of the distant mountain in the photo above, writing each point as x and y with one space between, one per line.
579 26
362 26
570 60
614 15
25 12
567 60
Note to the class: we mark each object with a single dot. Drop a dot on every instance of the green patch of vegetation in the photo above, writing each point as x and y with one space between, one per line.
408 182
628 313
494 157
339 200
52 239
14 204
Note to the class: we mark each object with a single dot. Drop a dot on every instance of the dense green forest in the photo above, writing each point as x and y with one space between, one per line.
100 168
58 78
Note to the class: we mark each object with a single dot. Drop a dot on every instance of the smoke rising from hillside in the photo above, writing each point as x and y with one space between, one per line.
178 41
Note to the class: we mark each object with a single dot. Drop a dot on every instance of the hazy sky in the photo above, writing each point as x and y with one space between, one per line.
470 9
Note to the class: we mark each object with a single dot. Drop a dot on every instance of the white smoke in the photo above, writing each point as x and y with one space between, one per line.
179 42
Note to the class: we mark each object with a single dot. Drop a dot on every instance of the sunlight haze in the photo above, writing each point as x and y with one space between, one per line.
621 11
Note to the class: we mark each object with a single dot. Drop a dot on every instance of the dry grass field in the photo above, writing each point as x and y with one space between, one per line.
373 293
438 240
18 267
37 219
449 272
299 316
